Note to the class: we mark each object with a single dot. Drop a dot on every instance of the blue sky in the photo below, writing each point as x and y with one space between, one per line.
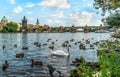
51 12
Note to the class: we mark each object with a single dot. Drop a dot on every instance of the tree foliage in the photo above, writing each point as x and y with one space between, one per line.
106 5
113 20
10 27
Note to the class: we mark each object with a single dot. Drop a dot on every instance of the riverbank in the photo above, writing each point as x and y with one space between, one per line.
108 62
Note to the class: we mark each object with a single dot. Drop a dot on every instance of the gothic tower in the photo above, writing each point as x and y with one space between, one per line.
37 23
24 24
37 26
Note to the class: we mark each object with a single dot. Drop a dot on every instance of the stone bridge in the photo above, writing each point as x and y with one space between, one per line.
83 27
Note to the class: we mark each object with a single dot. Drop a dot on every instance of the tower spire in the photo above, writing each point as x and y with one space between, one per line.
37 22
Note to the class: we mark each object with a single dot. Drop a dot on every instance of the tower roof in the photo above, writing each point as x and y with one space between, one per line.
24 19
37 21
4 19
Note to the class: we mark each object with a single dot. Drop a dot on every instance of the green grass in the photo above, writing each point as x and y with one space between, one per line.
109 65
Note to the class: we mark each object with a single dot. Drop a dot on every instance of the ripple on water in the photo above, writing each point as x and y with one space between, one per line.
21 67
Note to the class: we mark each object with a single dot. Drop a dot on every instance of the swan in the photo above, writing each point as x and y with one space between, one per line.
61 52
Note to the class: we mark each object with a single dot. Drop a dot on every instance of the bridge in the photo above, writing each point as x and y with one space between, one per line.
83 27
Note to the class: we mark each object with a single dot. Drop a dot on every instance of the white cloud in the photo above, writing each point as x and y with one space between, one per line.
55 22
59 15
18 9
86 16
90 4
56 3
30 5
12 1
81 19
74 16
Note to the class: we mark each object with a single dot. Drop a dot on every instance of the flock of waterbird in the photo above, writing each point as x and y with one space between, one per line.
83 44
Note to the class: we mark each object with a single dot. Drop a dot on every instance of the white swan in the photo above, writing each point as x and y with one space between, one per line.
61 53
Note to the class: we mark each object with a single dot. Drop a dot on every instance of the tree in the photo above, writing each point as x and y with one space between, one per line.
10 27
107 5
113 20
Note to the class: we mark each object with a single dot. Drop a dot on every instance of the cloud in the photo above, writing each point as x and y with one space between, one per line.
81 18
86 16
12 1
59 15
18 9
62 4
75 16
29 5
54 22
90 4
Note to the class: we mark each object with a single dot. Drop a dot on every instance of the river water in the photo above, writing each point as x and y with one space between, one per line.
21 67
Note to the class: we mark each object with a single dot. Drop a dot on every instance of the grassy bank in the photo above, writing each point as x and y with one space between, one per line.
109 62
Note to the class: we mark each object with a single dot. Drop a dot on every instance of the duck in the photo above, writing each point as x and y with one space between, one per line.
91 46
24 48
19 55
44 44
15 45
3 47
51 47
38 45
82 46
5 65
53 42
35 43
49 40
53 72
36 63
72 40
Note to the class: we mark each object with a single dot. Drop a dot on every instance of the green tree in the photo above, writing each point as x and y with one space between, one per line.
10 27
113 20
106 5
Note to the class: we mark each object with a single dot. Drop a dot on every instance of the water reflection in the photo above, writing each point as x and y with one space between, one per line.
24 40
21 66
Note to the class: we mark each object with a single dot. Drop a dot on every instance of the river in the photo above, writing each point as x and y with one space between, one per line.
20 67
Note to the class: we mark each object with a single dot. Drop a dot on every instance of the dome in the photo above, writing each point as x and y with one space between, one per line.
4 19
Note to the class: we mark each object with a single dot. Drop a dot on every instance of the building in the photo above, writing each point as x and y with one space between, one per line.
37 26
3 22
24 24
30 28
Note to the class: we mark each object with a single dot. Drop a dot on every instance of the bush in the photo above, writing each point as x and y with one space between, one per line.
11 28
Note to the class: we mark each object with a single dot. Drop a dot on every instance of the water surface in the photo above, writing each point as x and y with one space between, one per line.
21 67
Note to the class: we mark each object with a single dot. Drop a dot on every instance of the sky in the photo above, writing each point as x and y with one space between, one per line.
52 12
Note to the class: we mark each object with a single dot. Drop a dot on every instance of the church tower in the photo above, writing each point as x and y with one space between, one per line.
24 24
37 26
37 23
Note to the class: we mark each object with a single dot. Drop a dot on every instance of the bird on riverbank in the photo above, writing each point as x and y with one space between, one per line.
53 72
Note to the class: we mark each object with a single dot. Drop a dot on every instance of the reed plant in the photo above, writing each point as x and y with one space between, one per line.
109 65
